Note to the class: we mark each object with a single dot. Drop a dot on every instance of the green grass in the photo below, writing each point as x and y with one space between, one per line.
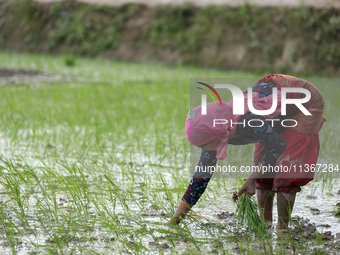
99 163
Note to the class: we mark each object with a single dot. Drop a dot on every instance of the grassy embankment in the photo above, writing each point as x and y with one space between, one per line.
250 38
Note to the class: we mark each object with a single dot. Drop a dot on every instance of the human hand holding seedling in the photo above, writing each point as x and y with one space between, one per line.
249 186
247 213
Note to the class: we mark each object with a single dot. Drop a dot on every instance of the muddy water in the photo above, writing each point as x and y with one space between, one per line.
25 77
210 210
311 197
314 207
304 207
315 202
323 201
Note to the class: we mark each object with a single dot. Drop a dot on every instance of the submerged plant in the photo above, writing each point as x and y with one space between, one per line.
247 214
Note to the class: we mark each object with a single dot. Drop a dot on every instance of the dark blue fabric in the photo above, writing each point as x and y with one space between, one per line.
200 180
266 135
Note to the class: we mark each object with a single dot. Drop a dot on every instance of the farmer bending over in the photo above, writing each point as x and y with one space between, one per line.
274 146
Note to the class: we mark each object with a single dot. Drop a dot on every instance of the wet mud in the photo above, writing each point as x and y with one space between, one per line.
314 228
11 72
302 232
26 77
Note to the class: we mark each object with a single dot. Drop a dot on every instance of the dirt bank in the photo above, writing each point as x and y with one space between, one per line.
261 3
260 39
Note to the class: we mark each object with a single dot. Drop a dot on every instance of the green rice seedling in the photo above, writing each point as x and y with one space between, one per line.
327 183
247 214
314 186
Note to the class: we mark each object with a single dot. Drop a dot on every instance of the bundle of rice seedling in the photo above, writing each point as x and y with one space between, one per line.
247 214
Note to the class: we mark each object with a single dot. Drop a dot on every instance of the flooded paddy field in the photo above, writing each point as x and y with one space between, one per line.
94 159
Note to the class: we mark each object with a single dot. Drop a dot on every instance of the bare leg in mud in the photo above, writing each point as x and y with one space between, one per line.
285 203
265 200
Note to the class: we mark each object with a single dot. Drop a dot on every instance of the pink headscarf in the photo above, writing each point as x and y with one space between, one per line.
200 128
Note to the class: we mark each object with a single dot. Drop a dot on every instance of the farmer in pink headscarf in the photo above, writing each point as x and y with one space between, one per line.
274 146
